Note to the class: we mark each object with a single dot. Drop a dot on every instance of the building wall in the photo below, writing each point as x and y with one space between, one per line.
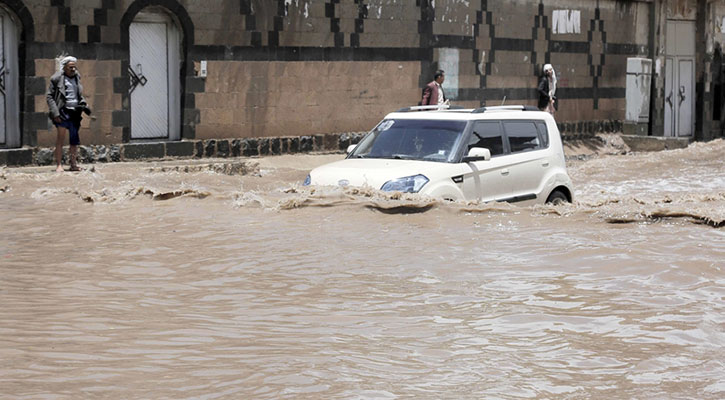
707 15
277 98
713 113
281 68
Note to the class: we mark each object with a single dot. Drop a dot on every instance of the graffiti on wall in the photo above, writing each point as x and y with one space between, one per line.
565 21
682 9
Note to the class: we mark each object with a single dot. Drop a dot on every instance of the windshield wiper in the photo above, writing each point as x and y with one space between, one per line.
393 156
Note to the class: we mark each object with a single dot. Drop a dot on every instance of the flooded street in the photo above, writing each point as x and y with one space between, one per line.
228 279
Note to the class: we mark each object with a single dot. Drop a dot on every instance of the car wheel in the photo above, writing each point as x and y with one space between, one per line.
557 197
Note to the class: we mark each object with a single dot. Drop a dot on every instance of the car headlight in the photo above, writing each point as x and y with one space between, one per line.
307 180
409 184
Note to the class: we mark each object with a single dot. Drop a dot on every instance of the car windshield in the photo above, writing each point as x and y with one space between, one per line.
427 140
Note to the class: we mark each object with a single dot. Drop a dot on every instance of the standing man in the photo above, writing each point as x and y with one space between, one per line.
433 91
547 90
65 104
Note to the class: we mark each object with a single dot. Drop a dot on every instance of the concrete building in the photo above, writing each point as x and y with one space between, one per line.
226 77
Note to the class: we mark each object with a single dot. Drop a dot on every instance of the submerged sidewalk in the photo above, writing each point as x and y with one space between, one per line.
226 148
185 149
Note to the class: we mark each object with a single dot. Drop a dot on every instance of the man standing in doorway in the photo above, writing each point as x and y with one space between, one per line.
65 104
433 91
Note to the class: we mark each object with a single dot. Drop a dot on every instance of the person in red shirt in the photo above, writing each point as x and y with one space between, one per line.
433 92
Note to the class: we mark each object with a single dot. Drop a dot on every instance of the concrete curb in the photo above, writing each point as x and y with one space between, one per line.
654 143
223 148
187 149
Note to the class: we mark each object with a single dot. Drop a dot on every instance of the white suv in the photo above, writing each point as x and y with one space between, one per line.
507 153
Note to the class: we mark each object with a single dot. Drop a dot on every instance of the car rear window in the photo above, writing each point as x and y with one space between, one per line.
522 136
543 133
487 134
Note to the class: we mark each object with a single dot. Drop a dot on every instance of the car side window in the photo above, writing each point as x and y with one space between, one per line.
487 134
543 133
522 135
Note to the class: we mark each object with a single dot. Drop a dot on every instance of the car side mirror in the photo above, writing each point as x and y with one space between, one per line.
477 154
350 148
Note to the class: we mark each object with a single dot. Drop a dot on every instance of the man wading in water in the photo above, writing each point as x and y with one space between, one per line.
65 104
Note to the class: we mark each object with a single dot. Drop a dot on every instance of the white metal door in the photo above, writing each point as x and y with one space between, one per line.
685 105
154 74
680 78
9 94
150 89
670 99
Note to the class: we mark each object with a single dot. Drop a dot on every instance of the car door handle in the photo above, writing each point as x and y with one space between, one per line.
504 172
544 163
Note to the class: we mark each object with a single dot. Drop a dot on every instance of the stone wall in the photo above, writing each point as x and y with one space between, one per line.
713 113
264 99
317 67
293 68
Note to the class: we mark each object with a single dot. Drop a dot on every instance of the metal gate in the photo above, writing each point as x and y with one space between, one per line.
9 94
154 75
680 78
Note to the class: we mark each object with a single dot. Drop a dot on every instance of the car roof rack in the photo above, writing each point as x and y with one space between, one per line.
502 108
431 108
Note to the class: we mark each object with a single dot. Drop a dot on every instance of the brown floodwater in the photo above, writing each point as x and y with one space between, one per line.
226 279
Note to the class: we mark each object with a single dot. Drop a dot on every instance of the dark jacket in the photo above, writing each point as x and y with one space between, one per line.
544 93
56 95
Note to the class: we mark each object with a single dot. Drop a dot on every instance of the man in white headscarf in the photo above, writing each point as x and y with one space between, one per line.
65 104
547 90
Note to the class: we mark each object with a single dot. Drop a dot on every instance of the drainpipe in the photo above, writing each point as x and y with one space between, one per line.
700 53
652 53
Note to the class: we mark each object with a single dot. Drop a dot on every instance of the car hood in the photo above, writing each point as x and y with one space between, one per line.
374 172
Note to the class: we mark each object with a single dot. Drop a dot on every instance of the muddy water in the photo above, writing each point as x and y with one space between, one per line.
229 280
